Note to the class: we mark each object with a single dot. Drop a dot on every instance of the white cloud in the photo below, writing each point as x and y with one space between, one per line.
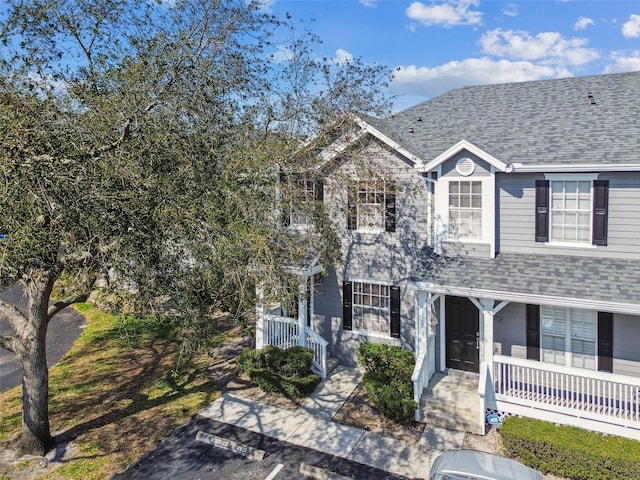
511 10
623 63
582 23
368 3
281 55
342 56
631 28
429 82
547 47
447 14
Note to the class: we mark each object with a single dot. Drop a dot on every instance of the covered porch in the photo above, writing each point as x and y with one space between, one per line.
524 362
286 327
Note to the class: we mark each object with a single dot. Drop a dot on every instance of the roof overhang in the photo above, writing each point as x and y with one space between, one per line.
556 301
368 128
575 168
499 165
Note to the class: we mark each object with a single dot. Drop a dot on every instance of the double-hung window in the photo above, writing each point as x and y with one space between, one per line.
372 206
371 308
572 210
568 336
465 209
299 197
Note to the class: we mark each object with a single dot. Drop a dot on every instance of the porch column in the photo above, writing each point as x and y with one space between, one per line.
312 301
486 352
259 317
421 323
302 312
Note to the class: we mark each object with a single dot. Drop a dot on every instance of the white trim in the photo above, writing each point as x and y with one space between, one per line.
582 167
488 215
571 177
382 137
551 300
387 283
561 244
471 148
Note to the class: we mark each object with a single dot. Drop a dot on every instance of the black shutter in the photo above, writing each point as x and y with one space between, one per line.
395 312
319 191
533 332
605 342
352 208
390 207
600 211
285 212
347 314
542 210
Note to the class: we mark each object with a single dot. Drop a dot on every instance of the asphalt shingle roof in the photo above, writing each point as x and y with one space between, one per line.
601 279
580 120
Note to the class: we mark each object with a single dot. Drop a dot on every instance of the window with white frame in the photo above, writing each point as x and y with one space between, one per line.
568 337
371 307
571 211
371 200
465 209
371 206
305 195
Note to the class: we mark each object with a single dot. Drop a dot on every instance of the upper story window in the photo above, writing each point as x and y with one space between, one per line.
372 206
297 196
465 209
572 210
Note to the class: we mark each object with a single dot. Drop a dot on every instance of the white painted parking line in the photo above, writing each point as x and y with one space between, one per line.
275 471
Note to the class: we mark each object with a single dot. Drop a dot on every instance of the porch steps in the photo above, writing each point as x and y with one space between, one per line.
332 363
451 401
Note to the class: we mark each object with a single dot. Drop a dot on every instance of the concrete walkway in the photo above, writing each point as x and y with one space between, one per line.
311 426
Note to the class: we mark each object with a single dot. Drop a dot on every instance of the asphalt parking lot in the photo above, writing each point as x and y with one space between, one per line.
186 454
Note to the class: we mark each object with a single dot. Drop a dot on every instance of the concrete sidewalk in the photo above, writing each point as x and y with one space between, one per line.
311 426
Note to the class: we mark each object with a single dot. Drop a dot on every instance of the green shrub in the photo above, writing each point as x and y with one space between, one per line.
570 452
387 380
287 372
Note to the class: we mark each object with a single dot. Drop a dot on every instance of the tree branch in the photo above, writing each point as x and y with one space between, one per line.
126 132
57 306
8 342
14 316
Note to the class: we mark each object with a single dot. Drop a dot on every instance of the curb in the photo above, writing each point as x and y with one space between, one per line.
320 473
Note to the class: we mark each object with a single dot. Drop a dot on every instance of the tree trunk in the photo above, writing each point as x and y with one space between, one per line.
36 434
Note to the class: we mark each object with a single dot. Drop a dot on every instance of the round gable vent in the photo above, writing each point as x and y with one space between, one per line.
465 166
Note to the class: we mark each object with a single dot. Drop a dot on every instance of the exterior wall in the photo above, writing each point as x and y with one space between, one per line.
385 257
516 224
452 246
510 332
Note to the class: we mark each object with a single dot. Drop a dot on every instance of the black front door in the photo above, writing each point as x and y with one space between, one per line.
462 334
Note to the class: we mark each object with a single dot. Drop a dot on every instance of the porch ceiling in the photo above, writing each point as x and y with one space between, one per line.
596 283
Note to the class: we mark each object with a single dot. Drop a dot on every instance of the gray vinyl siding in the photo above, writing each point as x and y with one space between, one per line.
516 223
385 257
510 330
465 249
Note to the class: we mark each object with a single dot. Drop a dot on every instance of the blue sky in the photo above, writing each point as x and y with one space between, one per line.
443 44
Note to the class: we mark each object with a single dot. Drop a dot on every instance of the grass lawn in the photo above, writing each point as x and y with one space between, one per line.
113 397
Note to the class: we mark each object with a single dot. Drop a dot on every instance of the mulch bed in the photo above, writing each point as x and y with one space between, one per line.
358 411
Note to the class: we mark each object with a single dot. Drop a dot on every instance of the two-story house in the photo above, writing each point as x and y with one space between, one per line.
494 230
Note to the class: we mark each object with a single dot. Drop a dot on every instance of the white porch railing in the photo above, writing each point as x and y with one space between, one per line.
319 346
420 379
283 332
589 395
